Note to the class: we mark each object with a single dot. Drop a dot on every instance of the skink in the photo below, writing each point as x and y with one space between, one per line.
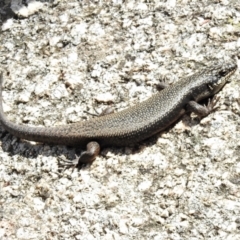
133 124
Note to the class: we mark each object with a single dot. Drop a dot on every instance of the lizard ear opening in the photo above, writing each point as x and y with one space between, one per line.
215 87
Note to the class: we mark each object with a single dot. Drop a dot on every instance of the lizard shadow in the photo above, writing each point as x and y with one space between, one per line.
26 149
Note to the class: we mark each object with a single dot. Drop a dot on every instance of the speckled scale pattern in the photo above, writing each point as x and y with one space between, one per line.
135 123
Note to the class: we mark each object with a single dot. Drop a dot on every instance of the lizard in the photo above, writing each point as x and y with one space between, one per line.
135 123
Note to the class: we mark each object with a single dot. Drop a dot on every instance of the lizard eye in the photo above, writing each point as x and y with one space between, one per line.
223 72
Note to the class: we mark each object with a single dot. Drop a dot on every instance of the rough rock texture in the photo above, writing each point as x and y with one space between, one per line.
59 59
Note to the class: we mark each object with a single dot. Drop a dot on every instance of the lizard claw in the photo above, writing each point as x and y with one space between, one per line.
211 106
69 163
161 84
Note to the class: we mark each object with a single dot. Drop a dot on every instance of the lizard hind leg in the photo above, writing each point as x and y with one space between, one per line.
88 156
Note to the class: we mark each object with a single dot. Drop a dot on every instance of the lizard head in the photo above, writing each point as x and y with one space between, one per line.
219 75
212 79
